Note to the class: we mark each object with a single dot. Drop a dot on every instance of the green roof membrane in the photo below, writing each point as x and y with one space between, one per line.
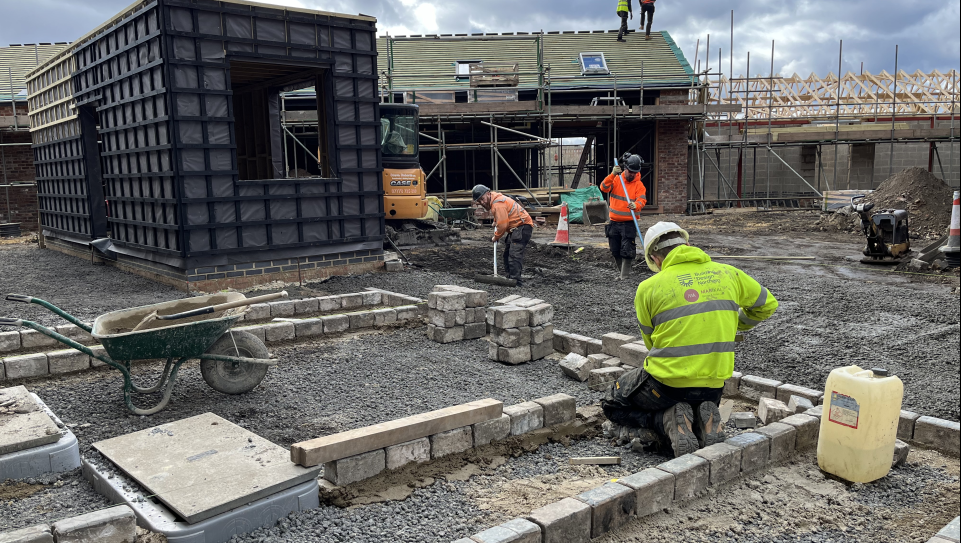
430 62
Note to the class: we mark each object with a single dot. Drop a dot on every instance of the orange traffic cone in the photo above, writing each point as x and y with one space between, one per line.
562 231
952 251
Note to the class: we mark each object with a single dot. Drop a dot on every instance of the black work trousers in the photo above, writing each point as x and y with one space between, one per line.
624 25
622 239
515 248
652 399
644 10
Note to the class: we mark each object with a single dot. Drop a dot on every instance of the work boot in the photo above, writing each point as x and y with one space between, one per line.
619 263
709 426
648 37
626 268
678 428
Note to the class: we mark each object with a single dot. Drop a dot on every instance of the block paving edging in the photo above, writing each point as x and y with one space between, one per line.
115 523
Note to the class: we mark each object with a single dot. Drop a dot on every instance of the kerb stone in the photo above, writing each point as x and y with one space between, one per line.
578 366
565 521
513 531
446 301
579 344
612 504
361 319
507 316
557 409
443 319
785 391
352 301
451 442
942 434
9 341
33 534
541 334
524 417
808 429
306 306
279 331
282 308
67 360
770 410
901 450
418 450
612 342
756 450
112 525
782 440
905 426
355 468
309 328
488 431
601 376
541 350
257 312
799 404
474 330
28 365
731 387
560 341
257 330
384 316
515 355
32 339
406 312
654 490
335 323
540 314
692 475
634 354
446 335
372 297
743 419
724 462
512 337
754 387
328 303
594 346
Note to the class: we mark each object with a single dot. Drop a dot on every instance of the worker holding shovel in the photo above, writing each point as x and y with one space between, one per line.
512 223
627 195
689 314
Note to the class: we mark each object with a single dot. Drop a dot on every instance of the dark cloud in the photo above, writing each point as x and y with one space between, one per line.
806 32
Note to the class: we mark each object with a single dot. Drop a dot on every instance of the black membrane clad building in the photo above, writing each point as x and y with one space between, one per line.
158 145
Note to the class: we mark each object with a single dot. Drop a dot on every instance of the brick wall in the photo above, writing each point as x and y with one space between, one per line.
674 97
23 206
17 161
672 161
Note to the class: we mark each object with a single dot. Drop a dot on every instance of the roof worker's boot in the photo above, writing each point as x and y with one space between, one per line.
626 268
709 424
678 429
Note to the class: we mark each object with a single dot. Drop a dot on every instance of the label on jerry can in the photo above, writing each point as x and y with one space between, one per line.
844 410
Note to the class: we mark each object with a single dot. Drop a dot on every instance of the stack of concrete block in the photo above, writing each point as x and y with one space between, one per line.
519 333
456 313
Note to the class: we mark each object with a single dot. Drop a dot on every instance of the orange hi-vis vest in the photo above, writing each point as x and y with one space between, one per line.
507 214
618 202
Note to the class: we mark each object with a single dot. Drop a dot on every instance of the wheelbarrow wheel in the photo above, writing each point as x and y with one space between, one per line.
235 377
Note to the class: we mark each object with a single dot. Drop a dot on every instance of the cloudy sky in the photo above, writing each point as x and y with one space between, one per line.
807 32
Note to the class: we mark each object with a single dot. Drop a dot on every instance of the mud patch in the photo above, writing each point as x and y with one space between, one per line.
517 497
15 490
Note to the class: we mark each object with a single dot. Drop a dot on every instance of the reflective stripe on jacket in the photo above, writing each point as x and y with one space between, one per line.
618 204
507 214
689 314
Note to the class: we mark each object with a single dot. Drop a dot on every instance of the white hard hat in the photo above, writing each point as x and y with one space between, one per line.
657 231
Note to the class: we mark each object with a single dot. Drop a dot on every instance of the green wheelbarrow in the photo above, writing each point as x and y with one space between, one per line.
232 362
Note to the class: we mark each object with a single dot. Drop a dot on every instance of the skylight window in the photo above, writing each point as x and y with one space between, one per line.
593 64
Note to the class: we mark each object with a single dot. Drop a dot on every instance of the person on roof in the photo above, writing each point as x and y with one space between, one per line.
512 223
621 231
625 10
689 314
646 6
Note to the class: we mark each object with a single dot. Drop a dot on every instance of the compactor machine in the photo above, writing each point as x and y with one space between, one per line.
888 238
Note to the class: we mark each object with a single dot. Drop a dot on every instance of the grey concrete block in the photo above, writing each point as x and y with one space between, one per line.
579 344
692 475
771 410
33 534
614 363
352 301
67 360
933 432
754 387
540 314
612 342
28 365
306 306
371 297
541 334
257 330
731 387
578 366
594 346
808 429
257 312
743 419
565 521
524 417
475 315
474 330
512 337
355 468
394 266
507 316
634 354
446 335
451 442
327 304
513 531
756 450
560 341
785 391
507 300
309 328
815 412
612 505
901 450
489 431
654 490
443 319
600 358
446 301
598 378
799 404
74 332
557 409
335 323
406 312
278 331
782 440
724 462
417 450
539 351
473 297
526 303
9 341
282 308
514 355
32 339
112 525
359 320
905 426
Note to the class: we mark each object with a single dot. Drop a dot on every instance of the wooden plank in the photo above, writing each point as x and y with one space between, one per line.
477 107
378 436
596 460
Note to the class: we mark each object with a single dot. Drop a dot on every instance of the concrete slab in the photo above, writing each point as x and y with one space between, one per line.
202 466
58 457
23 424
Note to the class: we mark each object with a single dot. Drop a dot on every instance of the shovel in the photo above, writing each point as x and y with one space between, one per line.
209 309
495 279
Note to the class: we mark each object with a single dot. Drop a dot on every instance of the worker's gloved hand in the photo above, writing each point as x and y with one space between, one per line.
632 205
495 239
617 170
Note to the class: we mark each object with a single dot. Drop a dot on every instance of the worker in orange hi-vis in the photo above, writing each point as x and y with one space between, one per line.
512 223
621 231
646 7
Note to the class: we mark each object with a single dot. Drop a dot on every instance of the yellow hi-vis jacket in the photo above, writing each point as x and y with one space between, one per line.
689 314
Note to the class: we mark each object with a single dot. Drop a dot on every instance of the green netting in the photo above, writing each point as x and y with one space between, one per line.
575 200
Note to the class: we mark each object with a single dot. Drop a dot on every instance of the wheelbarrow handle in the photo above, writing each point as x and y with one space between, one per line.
10 322
222 307
19 298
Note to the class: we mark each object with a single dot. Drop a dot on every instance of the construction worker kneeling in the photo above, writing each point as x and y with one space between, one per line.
512 224
689 314
623 206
